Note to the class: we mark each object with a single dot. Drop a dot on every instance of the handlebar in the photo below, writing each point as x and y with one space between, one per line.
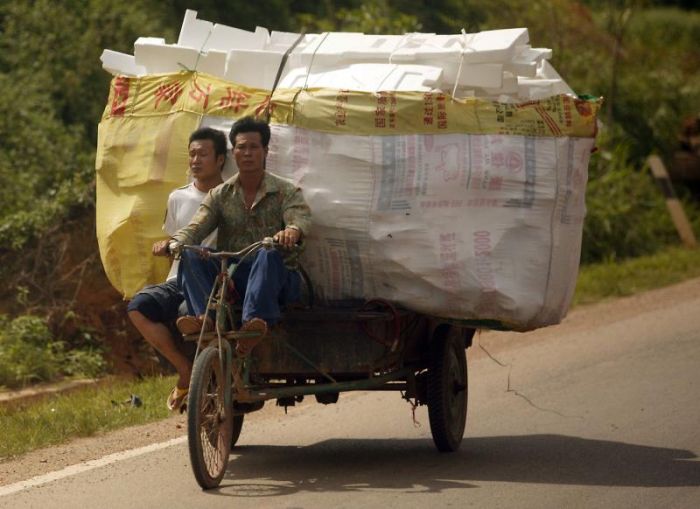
266 243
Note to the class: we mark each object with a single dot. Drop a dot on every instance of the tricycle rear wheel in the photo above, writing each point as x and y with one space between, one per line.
447 389
209 420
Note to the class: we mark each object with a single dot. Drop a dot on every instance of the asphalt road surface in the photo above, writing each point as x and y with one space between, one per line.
601 411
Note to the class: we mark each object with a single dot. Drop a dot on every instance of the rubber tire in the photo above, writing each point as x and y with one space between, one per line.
236 428
206 373
447 389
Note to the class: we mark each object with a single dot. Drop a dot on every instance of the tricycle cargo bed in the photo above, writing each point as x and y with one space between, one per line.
345 342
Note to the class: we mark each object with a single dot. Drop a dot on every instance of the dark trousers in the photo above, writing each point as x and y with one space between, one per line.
263 282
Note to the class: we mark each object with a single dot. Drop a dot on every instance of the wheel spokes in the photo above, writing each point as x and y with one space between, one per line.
212 419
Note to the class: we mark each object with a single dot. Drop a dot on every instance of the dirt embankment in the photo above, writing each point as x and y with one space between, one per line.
61 277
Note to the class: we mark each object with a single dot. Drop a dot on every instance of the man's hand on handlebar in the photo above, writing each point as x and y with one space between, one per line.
174 248
160 248
288 237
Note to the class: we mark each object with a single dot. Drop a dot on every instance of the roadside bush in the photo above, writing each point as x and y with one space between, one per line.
29 354
626 213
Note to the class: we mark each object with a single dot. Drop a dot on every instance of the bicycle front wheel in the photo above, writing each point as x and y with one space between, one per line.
209 420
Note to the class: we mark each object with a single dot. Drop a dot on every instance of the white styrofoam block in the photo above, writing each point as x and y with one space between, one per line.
366 78
540 53
212 62
412 47
121 64
489 60
283 38
509 86
534 89
296 77
225 38
524 69
263 34
527 60
397 77
547 71
203 35
333 42
349 47
252 67
164 58
367 48
494 45
431 47
481 75
149 40
303 53
194 32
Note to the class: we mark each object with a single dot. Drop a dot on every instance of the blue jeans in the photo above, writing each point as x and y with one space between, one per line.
263 282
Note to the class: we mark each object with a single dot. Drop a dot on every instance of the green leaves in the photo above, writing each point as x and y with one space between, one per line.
29 354
52 93
626 213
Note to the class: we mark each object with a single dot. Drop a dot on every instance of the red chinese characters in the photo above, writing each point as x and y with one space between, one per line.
121 95
385 110
567 111
168 92
482 202
199 94
428 109
300 155
266 106
234 100
448 260
482 260
441 111
341 103
441 204
392 110
380 111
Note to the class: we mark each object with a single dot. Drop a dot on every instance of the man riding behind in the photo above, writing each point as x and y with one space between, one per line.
154 307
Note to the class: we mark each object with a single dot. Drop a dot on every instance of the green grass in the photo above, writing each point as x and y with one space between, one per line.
616 279
56 419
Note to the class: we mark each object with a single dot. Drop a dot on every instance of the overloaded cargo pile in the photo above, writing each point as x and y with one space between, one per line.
445 173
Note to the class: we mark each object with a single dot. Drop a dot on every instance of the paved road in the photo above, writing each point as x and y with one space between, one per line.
602 411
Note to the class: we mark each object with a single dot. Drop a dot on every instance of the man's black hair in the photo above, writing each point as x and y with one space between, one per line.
217 138
250 125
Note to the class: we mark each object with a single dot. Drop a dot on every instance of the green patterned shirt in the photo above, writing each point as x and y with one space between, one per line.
277 204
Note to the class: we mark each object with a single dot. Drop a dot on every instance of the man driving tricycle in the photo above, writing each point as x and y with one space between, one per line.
252 205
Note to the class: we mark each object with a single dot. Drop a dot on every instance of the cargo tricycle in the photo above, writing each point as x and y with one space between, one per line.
319 351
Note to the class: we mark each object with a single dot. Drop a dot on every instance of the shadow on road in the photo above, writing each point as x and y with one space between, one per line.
415 466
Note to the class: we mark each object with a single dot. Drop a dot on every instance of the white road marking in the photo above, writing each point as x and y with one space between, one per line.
87 465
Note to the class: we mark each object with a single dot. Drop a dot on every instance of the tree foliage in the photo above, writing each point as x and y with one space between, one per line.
52 93
29 353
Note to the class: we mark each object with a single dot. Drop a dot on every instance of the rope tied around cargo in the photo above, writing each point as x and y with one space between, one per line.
465 46
200 52
402 42
268 107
